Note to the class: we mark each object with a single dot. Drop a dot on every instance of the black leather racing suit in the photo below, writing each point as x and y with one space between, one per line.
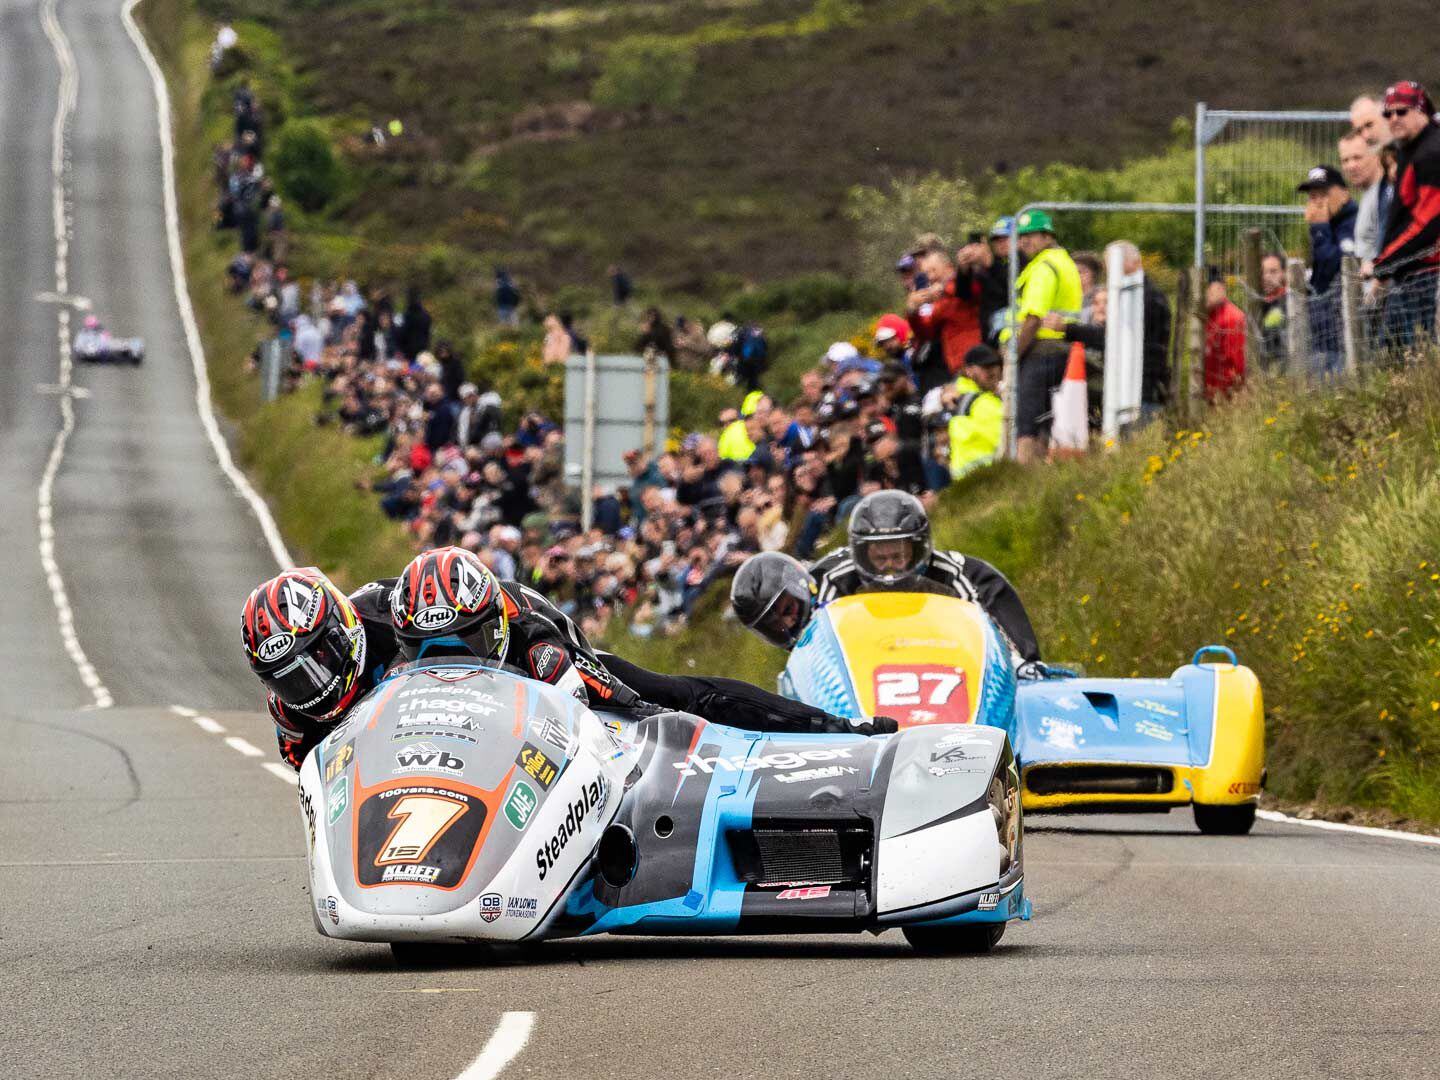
719 700
961 575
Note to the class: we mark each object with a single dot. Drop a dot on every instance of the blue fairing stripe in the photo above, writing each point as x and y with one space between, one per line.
713 902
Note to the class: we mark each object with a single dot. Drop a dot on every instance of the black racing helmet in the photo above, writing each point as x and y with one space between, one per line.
890 537
773 595
448 602
305 641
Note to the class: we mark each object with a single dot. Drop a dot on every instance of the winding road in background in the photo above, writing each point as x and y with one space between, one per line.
152 880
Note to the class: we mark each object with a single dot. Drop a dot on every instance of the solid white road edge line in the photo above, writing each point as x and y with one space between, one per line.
45 495
1359 830
182 298
507 1042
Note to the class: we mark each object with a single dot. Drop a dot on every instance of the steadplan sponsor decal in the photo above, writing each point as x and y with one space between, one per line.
591 797
788 759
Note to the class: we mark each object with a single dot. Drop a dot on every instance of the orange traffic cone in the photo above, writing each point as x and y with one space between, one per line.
1069 409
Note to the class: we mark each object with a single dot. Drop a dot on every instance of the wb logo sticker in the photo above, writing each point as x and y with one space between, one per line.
427 756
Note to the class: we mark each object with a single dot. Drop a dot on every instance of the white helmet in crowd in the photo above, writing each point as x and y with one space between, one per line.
722 335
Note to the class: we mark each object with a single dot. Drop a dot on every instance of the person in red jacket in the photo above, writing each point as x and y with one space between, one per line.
1224 341
1410 249
945 316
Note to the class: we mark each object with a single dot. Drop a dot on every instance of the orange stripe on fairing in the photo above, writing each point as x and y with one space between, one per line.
521 701
385 696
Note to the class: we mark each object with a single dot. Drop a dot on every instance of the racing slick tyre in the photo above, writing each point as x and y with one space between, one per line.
954 940
1224 820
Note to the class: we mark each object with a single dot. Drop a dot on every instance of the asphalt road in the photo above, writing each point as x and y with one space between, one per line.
152 884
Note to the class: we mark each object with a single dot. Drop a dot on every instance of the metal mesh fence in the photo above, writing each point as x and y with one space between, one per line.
1357 322
1257 159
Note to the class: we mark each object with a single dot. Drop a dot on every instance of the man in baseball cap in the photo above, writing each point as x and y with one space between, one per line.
1410 251
892 335
1331 214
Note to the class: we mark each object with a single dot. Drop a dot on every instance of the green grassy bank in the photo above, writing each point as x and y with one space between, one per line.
1301 527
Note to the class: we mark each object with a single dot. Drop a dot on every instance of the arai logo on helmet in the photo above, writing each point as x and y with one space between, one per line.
433 618
274 647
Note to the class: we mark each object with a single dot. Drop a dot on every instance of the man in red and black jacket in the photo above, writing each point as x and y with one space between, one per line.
1410 251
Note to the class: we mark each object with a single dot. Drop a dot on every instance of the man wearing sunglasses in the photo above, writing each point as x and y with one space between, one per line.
1410 251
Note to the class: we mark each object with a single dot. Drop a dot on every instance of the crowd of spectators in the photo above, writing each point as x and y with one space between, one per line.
914 408
1379 205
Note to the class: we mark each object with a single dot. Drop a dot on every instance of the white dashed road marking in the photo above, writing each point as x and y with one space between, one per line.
239 745
507 1042
211 726
284 772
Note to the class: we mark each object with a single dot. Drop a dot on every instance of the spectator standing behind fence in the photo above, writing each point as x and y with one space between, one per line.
621 288
1363 172
555 349
1272 311
1224 340
1048 283
1155 342
1330 213
1410 251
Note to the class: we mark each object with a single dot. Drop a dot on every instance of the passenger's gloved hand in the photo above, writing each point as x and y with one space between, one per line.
880 725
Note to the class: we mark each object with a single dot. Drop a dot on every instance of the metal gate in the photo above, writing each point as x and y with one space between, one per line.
1245 156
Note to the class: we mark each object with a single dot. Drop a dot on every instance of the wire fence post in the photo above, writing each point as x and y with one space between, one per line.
1254 302
1200 183
1297 317
1179 336
1195 390
1351 331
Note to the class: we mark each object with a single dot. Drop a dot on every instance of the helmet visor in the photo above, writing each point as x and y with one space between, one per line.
315 674
890 559
783 618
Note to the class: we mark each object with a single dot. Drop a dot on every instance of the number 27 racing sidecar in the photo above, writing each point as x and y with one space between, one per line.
462 802
1194 739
